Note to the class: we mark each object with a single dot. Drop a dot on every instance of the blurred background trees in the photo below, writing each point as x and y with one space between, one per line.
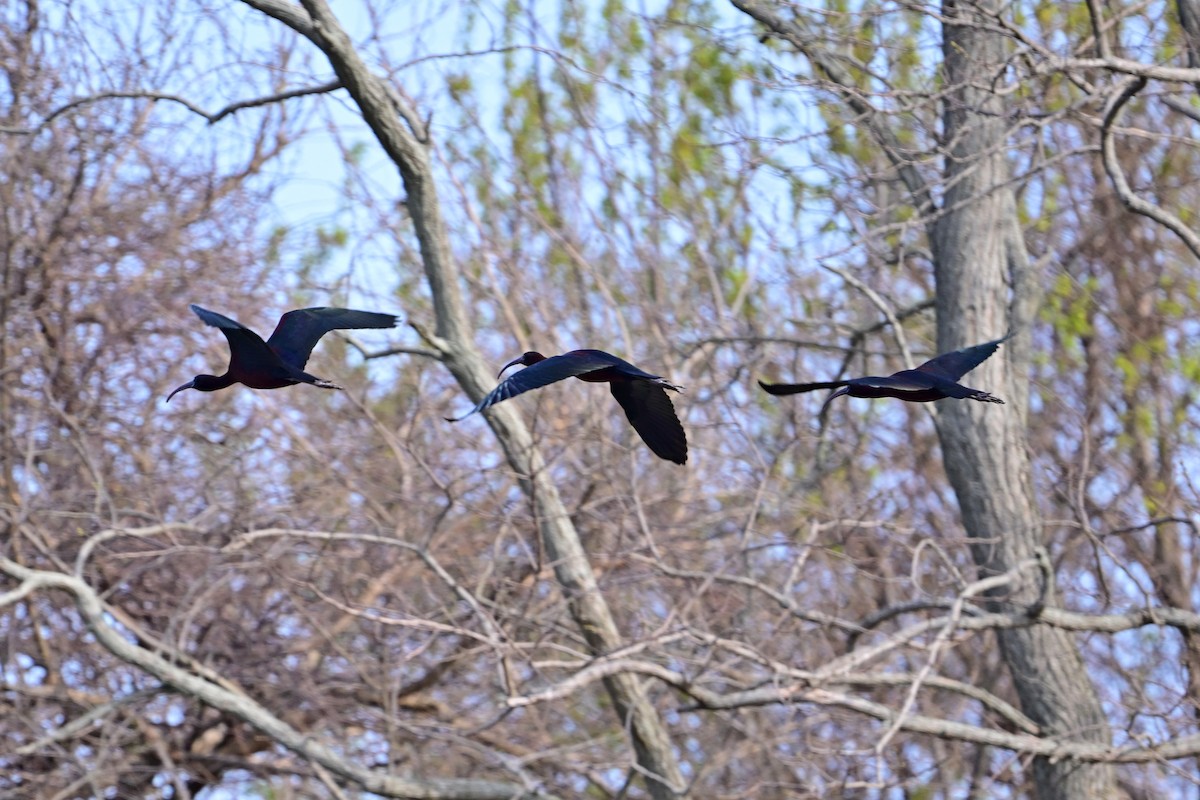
304 593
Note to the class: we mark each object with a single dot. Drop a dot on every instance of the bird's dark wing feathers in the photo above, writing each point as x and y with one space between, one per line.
247 350
907 380
652 415
601 360
797 388
955 364
299 331
218 320
543 373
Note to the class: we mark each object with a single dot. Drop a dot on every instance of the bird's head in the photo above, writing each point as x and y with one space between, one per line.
527 359
202 383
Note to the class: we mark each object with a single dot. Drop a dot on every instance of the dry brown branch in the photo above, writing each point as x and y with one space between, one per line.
212 117
94 612
1116 173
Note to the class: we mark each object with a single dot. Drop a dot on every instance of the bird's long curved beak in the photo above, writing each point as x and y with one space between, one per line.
828 400
189 385
514 362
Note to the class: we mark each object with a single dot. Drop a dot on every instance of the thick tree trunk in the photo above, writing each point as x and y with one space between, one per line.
1189 20
402 135
983 288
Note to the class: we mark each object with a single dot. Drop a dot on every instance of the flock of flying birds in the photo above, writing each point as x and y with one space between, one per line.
280 360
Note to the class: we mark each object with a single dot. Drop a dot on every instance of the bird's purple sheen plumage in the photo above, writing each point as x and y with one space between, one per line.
216 320
652 414
299 331
936 379
556 368
280 360
642 396
955 364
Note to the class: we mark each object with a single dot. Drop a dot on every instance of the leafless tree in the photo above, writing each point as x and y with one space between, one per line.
323 594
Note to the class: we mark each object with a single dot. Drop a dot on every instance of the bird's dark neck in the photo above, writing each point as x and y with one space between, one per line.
212 383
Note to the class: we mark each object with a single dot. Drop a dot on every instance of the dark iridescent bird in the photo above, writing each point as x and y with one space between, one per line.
280 360
937 378
643 396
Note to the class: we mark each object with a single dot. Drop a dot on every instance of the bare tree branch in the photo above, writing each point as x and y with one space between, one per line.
1121 66
84 721
900 156
94 612
403 136
279 97
1112 166
1181 107
1025 743
884 307
290 14
212 117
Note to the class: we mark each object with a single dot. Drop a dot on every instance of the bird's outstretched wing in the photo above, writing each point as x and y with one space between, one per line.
620 366
797 388
652 415
217 320
955 364
906 380
543 373
246 348
299 331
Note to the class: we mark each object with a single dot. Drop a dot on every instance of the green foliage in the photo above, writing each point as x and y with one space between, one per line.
358 151
1069 306
921 793
1189 367
459 85
636 121
275 242
327 241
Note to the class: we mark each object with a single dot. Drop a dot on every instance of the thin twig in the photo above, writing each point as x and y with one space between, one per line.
211 117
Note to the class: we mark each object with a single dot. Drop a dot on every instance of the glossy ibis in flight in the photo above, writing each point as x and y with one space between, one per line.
936 378
280 360
643 396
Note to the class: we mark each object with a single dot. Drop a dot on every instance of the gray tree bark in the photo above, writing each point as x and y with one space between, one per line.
404 138
983 289
1189 20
